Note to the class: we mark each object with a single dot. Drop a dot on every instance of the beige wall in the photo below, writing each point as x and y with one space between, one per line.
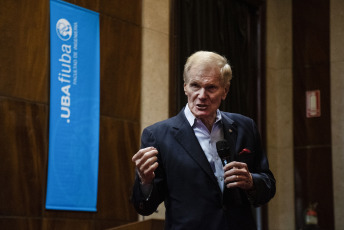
155 67
279 111
155 61
337 106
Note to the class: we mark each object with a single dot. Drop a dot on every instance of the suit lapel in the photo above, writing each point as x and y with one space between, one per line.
230 132
186 137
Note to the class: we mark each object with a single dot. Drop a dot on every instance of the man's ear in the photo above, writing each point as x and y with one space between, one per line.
185 88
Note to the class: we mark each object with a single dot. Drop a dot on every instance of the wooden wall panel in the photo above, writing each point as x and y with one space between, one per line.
126 10
55 224
117 140
151 224
10 223
23 146
24 40
312 136
24 115
120 69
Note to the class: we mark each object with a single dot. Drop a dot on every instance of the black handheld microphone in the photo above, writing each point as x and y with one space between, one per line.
223 149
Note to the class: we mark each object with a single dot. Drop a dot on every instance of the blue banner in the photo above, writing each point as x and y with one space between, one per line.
74 108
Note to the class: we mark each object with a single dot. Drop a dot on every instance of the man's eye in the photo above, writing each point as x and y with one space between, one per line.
212 87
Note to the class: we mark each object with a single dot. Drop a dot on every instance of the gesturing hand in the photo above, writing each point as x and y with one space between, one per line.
146 163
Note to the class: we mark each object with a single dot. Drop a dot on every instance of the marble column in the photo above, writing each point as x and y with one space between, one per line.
337 106
155 67
279 111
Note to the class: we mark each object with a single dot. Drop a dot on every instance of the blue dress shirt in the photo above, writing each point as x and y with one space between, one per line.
208 141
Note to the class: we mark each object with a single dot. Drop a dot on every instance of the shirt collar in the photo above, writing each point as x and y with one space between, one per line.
191 118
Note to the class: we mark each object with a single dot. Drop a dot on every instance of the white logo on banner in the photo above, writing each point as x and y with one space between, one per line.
68 61
64 29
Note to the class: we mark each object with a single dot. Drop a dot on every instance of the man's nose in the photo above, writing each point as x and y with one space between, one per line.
202 93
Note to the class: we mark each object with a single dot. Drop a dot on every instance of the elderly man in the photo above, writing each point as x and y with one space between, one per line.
178 162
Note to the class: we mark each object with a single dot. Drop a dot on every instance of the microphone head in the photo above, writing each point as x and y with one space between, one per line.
223 149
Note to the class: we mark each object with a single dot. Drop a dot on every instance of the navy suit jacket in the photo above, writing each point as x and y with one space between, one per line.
186 183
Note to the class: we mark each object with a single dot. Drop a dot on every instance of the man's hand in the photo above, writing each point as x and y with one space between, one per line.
146 163
237 176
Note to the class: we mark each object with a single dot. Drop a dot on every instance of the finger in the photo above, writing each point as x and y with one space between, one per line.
243 175
143 156
151 168
240 181
236 164
147 163
141 153
233 165
237 168
147 159
232 178
148 175
238 173
232 171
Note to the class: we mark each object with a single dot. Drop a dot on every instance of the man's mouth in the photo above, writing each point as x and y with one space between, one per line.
201 106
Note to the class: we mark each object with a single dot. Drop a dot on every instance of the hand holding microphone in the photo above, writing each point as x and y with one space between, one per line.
236 174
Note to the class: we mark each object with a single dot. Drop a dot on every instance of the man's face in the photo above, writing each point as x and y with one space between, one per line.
205 92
